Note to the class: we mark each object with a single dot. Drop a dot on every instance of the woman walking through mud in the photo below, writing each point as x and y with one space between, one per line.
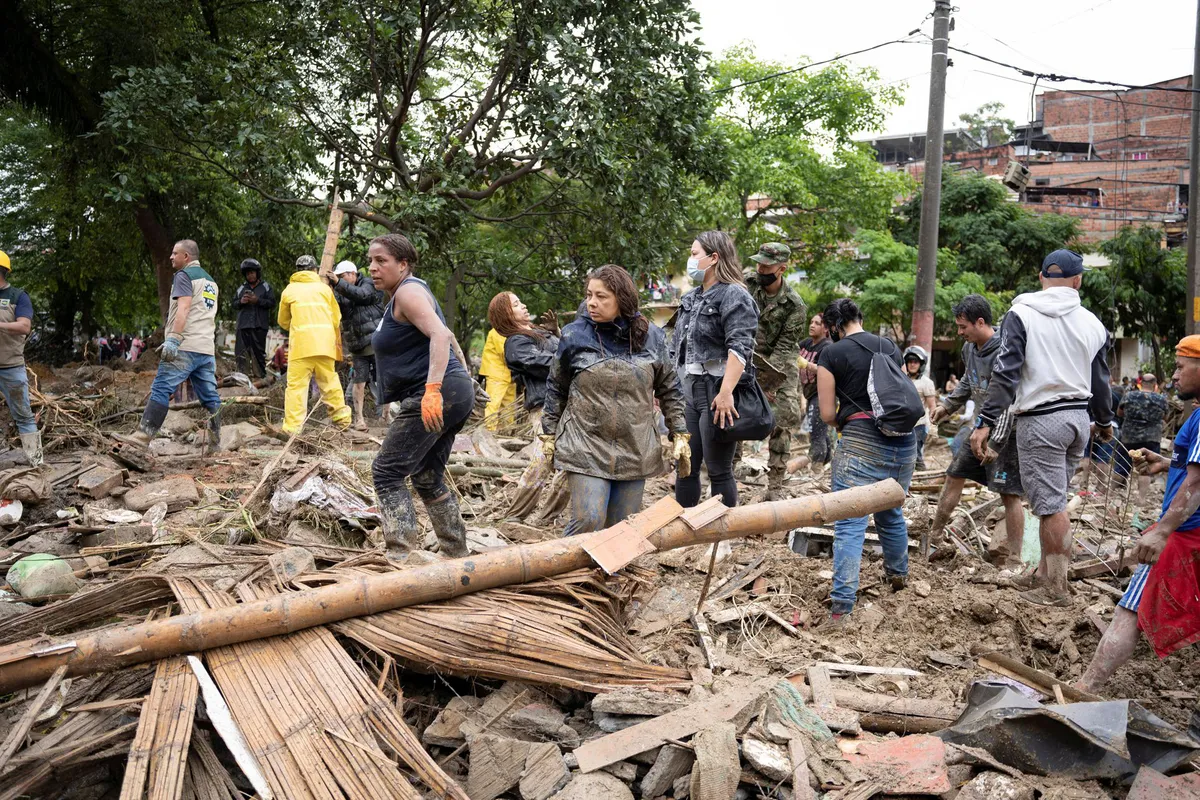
599 422
418 370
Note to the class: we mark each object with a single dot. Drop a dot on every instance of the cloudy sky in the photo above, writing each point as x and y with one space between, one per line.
1133 41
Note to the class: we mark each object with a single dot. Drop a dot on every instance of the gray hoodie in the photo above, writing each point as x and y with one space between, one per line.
1053 356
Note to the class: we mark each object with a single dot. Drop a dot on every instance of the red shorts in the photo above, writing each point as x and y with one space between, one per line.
1169 613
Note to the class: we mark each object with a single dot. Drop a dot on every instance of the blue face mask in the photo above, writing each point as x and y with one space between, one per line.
694 271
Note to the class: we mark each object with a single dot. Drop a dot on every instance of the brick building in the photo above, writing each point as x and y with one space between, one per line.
1108 158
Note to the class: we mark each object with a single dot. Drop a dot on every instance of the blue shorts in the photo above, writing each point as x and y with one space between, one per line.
1133 593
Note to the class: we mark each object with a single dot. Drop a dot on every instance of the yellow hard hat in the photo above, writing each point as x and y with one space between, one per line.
5 261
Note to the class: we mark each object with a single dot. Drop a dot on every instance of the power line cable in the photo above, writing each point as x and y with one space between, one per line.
803 67
1056 78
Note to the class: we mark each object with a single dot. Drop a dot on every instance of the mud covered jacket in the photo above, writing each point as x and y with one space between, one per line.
600 401
529 359
361 305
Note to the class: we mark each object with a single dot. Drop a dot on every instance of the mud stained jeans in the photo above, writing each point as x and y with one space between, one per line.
865 456
598 503
411 451
14 386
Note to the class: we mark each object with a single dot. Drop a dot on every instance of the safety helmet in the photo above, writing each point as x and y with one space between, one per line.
251 264
5 261
917 352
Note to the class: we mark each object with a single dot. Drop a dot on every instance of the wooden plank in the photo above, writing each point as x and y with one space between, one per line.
614 548
747 576
16 736
801 790
867 669
822 688
1112 591
706 641
875 703
1096 620
710 510
1043 682
652 733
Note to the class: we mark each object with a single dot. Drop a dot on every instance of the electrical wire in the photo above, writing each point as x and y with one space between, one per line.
1092 94
1056 78
802 68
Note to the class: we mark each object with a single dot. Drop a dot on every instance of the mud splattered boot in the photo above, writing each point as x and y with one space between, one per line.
214 432
31 443
152 419
400 530
775 476
448 525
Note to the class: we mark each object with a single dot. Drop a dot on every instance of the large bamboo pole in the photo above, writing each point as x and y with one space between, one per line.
29 663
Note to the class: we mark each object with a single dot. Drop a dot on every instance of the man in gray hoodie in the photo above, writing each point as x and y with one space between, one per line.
1001 474
1053 370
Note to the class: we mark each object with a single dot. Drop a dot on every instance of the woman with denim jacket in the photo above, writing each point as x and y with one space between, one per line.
599 421
712 344
864 455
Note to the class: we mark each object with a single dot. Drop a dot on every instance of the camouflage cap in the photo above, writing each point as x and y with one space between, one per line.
306 262
772 253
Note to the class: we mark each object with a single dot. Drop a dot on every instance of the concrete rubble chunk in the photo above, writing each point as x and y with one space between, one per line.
51 542
545 772
539 718
594 786
768 759
446 728
292 562
682 788
495 705
178 492
496 765
177 423
234 436
718 768
623 770
995 786
637 701
100 482
120 534
672 763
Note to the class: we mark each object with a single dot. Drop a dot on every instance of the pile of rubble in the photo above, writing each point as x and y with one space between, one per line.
181 626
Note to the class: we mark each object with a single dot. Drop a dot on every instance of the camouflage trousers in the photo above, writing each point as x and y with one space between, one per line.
786 408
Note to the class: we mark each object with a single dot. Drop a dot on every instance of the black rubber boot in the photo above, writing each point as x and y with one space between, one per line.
152 420
400 530
214 431
449 526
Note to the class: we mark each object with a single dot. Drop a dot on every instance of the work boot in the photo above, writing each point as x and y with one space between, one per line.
31 443
897 582
449 526
775 476
152 419
400 530
214 433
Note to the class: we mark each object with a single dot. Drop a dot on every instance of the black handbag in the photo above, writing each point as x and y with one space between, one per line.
755 419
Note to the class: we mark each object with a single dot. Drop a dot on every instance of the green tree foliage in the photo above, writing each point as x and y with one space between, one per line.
1144 288
794 172
882 279
986 126
990 236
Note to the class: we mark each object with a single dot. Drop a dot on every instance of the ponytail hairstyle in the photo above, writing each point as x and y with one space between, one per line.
400 248
500 316
728 267
617 280
838 313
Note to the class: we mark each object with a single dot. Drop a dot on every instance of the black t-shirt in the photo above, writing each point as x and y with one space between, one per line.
850 362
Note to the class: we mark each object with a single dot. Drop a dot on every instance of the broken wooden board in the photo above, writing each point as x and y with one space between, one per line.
615 547
709 511
822 688
747 576
545 772
497 763
718 768
1035 679
158 756
706 640
673 726
751 610
1094 567
867 669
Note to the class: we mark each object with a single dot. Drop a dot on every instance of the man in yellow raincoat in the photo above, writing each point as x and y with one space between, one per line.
500 387
309 312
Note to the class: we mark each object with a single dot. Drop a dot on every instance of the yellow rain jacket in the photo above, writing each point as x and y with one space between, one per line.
492 364
309 312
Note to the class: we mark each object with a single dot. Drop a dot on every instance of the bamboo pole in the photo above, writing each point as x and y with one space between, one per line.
31 662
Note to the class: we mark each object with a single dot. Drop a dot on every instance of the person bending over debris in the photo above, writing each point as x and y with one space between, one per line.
865 454
418 370
1053 366
1001 474
362 308
16 320
713 342
1161 596
599 423
528 350
189 351
309 312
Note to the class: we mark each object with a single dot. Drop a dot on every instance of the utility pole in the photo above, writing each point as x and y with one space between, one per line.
931 195
1193 274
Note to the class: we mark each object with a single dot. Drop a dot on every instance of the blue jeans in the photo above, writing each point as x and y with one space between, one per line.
14 385
199 368
919 434
865 456
597 503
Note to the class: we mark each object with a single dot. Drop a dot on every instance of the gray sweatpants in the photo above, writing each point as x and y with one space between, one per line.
1049 447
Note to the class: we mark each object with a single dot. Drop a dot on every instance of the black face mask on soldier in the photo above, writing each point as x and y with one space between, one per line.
765 280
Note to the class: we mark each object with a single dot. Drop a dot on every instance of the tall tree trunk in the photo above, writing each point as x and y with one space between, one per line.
159 241
1158 367
450 296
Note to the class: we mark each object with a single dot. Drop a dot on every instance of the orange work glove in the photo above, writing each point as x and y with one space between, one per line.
431 407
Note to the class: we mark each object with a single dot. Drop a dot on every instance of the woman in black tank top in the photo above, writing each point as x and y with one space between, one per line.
417 370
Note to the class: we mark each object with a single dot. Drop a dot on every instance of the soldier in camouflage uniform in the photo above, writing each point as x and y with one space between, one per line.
1141 414
782 322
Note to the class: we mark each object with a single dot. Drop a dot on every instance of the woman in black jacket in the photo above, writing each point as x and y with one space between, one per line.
362 308
528 349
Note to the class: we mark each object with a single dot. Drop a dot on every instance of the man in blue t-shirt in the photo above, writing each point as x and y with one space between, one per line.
16 320
1178 525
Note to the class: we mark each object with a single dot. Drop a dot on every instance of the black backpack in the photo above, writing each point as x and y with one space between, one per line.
895 403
